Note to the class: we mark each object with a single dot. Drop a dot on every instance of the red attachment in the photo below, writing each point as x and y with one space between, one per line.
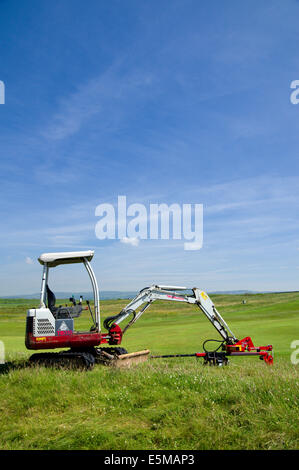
268 358
245 343
115 333
245 347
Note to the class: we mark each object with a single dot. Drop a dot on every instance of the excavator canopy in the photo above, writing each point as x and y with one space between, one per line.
68 257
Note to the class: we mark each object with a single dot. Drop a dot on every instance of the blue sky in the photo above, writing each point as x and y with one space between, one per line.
161 101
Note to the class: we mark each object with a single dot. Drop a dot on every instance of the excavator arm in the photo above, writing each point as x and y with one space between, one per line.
172 293
230 344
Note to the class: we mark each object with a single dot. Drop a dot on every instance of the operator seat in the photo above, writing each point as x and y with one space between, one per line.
62 312
51 299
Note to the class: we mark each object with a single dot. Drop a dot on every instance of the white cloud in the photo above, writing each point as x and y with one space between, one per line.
134 241
29 260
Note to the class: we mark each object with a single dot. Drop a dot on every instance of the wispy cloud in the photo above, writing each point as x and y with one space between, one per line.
133 241
105 96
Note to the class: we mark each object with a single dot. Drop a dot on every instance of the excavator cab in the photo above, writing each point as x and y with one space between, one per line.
50 326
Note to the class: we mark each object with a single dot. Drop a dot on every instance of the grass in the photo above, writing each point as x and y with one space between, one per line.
161 404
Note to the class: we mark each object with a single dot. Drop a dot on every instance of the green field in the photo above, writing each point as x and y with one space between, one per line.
161 404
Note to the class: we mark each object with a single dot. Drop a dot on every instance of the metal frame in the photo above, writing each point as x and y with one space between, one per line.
94 284
43 285
95 293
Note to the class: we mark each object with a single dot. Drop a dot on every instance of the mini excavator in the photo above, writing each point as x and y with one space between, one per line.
52 327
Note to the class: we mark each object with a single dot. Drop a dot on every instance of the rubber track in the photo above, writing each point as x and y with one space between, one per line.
71 359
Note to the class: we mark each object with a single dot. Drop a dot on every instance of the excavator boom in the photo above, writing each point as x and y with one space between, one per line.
231 346
173 293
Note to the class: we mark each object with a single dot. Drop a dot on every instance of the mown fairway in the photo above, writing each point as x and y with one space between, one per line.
162 404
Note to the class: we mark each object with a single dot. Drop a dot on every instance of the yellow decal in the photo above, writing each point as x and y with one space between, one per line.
43 338
204 295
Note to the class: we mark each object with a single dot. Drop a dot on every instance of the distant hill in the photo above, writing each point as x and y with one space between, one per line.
111 294
235 292
114 294
105 295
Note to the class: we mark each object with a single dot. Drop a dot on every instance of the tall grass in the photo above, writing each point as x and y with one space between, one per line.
157 405
163 403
